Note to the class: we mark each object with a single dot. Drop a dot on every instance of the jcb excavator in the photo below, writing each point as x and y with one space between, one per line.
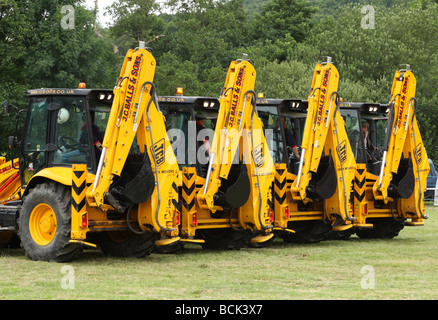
229 201
394 197
334 185
327 165
77 189
320 189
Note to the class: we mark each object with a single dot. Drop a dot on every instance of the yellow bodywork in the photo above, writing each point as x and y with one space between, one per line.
404 141
360 195
238 137
134 113
325 135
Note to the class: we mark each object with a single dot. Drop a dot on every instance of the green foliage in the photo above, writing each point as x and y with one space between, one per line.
194 42
368 58
37 51
283 18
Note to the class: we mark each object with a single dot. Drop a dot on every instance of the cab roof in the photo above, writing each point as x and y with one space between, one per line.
67 92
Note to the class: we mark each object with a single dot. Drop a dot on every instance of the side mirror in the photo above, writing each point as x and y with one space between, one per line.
5 108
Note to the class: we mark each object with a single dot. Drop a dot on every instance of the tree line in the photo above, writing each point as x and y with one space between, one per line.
194 41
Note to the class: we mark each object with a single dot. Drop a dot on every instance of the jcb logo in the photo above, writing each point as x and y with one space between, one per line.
258 155
342 151
159 152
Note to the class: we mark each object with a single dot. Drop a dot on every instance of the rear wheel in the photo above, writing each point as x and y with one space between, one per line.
5 237
224 239
44 224
383 228
306 232
126 243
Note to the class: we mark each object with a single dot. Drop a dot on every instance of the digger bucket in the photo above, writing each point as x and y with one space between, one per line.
234 192
141 187
403 183
324 181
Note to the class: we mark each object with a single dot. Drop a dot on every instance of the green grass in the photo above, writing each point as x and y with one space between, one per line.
404 268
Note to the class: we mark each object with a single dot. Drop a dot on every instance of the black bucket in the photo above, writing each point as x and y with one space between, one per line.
234 191
137 181
324 181
403 182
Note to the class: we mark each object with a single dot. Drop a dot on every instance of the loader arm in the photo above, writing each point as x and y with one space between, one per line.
239 143
327 163
135 113
404 157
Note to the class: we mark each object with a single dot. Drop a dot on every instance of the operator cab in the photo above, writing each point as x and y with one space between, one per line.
190 127
294 112
63 127
271 112
375 115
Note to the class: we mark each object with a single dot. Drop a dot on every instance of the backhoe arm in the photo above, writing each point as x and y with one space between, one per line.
239 142
321 108
327 163
404 157
135 113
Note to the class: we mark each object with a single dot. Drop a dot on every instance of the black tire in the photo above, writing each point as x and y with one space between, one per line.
172 248
341 235
38 242
305 232
5 237
384 228
126 244
260 244
224 239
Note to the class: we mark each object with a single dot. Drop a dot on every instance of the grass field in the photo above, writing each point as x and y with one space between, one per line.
401 268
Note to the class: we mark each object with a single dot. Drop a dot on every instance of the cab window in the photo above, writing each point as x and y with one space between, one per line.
71 132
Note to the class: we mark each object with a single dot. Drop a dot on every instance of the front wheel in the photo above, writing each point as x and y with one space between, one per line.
44 224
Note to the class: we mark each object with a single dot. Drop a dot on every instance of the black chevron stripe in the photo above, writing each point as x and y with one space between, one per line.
358 196
78 174
78 189
190 205
188 190
358 182
280 171
279 184
78 206
280 199
188 175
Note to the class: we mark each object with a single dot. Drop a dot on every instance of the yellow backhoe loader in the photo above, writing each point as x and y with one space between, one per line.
226 196
337 188
96 168
393 197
